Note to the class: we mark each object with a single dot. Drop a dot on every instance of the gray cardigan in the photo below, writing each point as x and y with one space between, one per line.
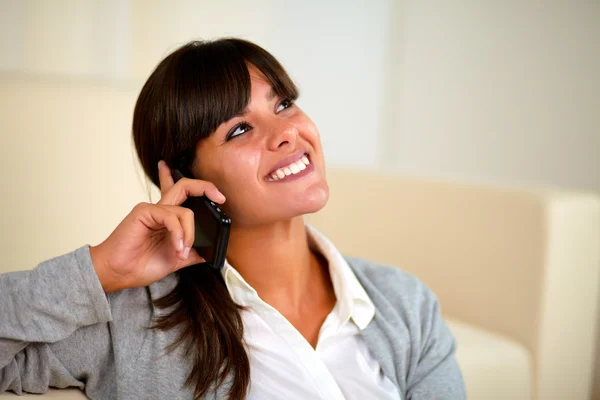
58 328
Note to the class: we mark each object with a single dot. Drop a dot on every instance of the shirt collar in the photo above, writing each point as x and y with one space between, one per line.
353 300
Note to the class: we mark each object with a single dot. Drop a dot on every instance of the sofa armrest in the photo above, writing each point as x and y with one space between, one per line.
565 348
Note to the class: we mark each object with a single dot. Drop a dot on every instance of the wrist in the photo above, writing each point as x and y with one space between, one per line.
98 261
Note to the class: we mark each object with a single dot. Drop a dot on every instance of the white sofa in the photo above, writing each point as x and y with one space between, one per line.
516 269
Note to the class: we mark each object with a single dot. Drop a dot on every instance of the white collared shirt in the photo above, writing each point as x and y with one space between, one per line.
283 364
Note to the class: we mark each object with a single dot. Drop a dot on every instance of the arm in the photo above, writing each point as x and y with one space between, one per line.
436 375
40 310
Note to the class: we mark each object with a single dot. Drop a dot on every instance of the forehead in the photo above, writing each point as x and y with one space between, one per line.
257 78
260 86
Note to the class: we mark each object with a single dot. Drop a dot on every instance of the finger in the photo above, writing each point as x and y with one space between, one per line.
186 187
186 220
157 218
192 259
165 178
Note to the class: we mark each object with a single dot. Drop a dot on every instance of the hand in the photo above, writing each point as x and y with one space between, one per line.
154 240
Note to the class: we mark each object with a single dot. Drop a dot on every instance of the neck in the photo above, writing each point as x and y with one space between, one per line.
277 262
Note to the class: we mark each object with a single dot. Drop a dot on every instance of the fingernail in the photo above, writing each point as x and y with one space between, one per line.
180 245
186 252
222 196
161 161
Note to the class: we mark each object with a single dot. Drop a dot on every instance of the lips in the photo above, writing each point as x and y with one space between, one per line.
296 156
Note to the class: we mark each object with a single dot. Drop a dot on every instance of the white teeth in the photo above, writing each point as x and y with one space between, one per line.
291 169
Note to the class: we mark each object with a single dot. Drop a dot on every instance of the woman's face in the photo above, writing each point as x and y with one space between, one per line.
254 160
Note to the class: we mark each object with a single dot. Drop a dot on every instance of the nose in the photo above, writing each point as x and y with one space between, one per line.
283 134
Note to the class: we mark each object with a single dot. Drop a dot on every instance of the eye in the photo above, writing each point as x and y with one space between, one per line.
238 130
285 103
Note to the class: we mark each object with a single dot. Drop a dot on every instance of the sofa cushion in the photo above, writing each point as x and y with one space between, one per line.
493 366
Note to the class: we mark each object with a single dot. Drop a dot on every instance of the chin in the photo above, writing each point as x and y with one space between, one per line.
309 201
314 199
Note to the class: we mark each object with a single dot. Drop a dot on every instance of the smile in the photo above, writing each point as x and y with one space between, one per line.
294 169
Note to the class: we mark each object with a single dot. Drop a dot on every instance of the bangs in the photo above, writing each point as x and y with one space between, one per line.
211 85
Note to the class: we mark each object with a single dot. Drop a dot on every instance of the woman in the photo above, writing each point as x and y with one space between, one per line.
287 317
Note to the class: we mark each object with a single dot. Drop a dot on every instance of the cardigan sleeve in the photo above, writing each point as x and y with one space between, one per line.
56 308
436 374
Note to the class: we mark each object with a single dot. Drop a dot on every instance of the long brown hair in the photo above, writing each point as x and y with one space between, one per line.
190 93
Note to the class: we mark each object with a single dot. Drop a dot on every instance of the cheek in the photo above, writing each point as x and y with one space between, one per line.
238 178
310 130
312 135
234 171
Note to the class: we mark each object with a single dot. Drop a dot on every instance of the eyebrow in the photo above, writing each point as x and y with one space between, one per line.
270 96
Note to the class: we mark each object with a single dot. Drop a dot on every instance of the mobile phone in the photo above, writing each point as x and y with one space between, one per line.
212 227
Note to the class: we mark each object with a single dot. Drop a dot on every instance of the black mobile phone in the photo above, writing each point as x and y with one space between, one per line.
212 227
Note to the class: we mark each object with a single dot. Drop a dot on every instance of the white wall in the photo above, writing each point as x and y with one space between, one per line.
486 91
334 50
65 37
475 90
497 91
